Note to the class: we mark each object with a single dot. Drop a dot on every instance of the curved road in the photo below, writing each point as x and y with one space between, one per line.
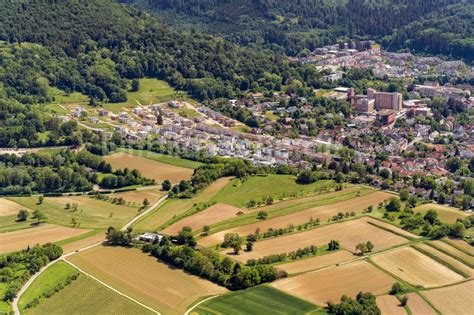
15 307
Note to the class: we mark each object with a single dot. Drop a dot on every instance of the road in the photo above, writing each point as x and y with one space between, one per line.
25 287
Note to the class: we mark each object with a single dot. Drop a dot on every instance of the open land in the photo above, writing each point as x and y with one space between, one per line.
90 213
87 296
411 265
453 300
453 263
295 212
460 245
149 168
417 305
8 207
145 279
84 242
317 262
348 233
454 252
173 208
45 233
322 286
213 214
445 214
389 304
136 197
258 300
163 158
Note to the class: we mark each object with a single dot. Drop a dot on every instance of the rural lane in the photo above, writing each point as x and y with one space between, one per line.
15 307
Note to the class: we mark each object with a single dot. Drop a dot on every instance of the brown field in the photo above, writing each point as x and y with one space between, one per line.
454 252
323 213
417 305
448 259
396 230
317 262
142 277
453 300
176 207
390 305
149 168
461 245
411 266
322 286
348 233
73 246
216 213
8 207
137 196
45 233
446 214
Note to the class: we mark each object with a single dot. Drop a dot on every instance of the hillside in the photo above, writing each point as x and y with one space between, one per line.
295 25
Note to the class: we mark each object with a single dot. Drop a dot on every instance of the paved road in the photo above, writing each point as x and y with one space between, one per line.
15 307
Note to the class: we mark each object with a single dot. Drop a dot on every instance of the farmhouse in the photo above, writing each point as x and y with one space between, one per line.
150 237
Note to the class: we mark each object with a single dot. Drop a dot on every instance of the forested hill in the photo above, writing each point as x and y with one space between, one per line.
447 25
97 46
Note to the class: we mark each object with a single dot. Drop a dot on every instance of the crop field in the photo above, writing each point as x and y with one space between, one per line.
255 301
283 213
149 168
445 214
173 208
87 296
213 214
322 286
145 279
45 233
454 263
452 300
317 262
348 233
8 207
460 245
90 213
136 197
163 158
48 280
454 252
83 242
411 265
417 305
238 193
389 304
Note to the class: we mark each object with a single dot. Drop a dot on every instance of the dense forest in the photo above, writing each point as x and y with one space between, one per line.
437 27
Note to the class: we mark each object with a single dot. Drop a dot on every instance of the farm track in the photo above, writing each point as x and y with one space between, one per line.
23 289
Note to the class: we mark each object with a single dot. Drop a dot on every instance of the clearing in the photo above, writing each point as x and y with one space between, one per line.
149 168
8 207
389 304
453 300
411 265
239 192
322 286
45 233
348 233
172 209
254 301
417 305
213 214
317 262
445 214
144 278
90 212
87 296
323 212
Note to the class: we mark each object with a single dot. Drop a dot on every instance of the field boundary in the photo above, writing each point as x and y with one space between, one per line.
440 261
113 289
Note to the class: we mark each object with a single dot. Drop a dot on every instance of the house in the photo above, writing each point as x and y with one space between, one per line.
150 237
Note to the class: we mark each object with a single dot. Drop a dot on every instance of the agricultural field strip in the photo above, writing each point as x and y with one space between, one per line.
110 287
453 299
389 304
16 310
444 259
417 305
460 245
453 252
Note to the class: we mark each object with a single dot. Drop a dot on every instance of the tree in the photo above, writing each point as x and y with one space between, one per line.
40 200
135 85
404 194
262 215
166 185
431 216
22 215
234 241
119 237
361 248
186 237
398 288
333 245
39 216
159 119
404 300
249 246
393 205
206 229
370 246
145 202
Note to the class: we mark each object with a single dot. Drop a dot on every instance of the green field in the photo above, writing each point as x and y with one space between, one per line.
90 213
48 280
257 300
151 91
168 159
238 193
84 296
9 224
